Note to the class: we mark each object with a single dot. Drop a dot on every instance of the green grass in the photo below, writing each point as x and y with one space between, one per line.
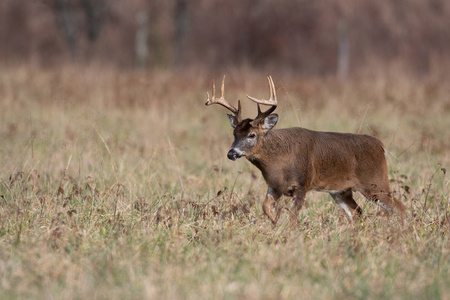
116 185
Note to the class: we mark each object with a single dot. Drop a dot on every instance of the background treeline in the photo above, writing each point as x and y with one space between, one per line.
309 37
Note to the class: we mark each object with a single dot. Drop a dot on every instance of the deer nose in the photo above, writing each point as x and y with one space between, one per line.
233 154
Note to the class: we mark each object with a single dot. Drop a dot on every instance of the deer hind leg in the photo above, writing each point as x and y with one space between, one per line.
269 204
345 200
382 196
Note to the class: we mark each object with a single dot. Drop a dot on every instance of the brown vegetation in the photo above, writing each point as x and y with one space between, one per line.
115 184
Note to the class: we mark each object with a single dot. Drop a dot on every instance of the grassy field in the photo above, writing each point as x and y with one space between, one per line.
116 185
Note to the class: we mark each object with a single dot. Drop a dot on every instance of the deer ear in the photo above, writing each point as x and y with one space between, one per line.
233 120
269 122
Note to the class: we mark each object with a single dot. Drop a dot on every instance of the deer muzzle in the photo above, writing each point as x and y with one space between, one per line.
233 154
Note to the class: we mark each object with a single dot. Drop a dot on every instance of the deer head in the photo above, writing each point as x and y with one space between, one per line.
248 133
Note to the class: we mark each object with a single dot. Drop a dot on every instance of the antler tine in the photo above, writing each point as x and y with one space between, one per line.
274 91
223 87
270 86
272 101
222 101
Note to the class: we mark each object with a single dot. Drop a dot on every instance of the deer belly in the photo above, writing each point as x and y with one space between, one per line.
333 184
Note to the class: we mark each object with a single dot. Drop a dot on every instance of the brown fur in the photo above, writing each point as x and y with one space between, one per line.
294 161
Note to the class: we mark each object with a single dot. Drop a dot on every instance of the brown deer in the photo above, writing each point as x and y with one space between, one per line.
294 161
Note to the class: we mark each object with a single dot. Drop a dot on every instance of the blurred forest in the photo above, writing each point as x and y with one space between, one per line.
311 38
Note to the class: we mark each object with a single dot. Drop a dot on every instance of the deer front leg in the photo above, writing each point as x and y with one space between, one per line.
269 203
297 202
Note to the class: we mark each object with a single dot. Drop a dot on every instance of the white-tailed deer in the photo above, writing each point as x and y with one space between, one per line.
294 161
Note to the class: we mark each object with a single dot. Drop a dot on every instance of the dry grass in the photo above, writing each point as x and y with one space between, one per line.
116 185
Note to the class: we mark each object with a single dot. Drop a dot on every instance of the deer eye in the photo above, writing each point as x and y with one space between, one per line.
251 135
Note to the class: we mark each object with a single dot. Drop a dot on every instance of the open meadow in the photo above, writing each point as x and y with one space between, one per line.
116 185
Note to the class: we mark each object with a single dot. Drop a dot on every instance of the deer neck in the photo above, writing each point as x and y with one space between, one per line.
270 149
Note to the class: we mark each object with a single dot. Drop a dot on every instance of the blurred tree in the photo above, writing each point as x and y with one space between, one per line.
298 35
142 39
65 19
69 19
96 12
180 25
343 50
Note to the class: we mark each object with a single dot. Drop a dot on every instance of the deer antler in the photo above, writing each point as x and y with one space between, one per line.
223 102
272 101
